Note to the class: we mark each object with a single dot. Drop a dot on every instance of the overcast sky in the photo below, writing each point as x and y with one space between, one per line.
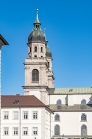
68 26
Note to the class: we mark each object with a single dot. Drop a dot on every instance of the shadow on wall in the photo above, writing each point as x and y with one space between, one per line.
90 100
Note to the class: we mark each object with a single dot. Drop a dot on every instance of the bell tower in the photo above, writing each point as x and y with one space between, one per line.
38 64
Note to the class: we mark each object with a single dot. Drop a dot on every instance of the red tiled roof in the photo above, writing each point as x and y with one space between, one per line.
8 101
23 101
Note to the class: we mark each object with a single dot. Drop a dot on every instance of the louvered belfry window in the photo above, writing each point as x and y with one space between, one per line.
35 75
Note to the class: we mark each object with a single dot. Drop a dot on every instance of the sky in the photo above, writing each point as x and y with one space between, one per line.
68 26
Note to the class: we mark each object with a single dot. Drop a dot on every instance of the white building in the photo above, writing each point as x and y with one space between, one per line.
25 117
72 107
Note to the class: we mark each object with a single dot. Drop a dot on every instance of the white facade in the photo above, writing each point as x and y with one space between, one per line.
42 123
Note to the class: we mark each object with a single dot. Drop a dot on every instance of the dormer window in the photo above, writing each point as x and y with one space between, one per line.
41 49
35 49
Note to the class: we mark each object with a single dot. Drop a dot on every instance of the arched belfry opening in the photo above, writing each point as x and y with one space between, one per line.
35 75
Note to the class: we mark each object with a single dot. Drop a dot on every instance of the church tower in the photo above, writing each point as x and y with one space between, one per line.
38 65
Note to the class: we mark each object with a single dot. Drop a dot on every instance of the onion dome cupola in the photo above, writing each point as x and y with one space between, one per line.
36 35
48 52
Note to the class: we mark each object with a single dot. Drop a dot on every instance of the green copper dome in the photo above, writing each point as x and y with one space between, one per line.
36 36
48 52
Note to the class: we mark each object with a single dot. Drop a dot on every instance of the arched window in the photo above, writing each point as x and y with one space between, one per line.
57 117
41 49
35 75
83 130
35 49
83 117
57 130
83 101
30 49
58 101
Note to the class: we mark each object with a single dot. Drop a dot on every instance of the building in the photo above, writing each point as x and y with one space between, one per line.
2 42
24 117
64 112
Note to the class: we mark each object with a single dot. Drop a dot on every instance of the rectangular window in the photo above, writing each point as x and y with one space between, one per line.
15 131
6 132
35 130
6 115
25 115
15 115
25 131
35 115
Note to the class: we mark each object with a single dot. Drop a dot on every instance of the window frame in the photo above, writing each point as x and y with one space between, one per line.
82 129
35 115
83 120
58 118
35 131
83 102
55 130
15 115
7 131
35 49
25 131
15 131
41 49
6 115
59 103
35 75
25 115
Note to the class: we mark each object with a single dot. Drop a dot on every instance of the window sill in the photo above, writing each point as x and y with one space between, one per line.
83 121
35 81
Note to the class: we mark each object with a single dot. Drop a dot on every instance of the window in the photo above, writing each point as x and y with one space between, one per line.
15 115
35 55
25 131
6 132
35 49
83 130
57 117
58 101
35 115
83 117
48 64
57 130
41 49
35 75
6 115
35 130
30 49
25 115
83 101
15 131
